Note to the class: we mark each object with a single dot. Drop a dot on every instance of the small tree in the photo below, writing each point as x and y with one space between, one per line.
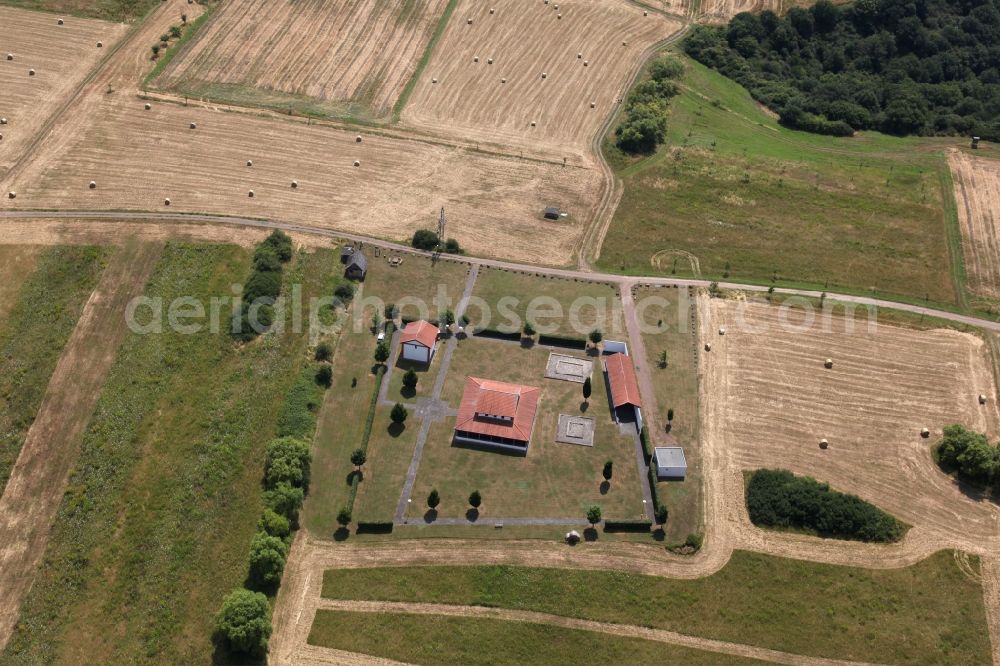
274 524
594 515
398 414
448 317
390 312
596 336
344 292
244 621
324 376
425 239
608 470
324 352
381 352
410 379
285 500
528 330
670 414
587 388
433 499
663 359
713 290
475 499
451 245
661 515
344 517
267 559
358 458
156 50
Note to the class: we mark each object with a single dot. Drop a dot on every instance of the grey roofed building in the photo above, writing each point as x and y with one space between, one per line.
357 266
670 462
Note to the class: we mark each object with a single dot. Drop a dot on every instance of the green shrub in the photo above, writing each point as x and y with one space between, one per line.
475 499
969 454
594 515
267 560
410 379
285 500
778 498
324 376
281 243
324 352
434 498
288 460
344 292
274 524
244 621
425 239
398 414
344 517
262 285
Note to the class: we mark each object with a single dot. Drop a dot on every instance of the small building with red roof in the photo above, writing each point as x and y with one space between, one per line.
497 415
418 341
624 387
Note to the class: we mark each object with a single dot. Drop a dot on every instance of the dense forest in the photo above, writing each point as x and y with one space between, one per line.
899 66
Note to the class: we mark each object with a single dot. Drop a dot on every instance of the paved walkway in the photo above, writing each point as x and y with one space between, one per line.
433 409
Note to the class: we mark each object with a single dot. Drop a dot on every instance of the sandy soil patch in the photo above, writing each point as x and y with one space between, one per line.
39 477
61 56
977 194
140 158
776 401
525 40
340 54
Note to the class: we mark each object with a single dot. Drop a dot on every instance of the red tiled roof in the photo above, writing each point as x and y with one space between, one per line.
488 397
621 377
422 332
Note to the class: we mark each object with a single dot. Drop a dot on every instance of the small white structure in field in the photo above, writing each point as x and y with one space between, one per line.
418 341
670 462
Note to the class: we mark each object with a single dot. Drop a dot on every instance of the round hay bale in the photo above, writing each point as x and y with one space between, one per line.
358 139
579 56
3 121
489 61
193 125
492 10
1 137
100 44
592 105
93 185
11 194
545 75
558 16
503 80
31 72
586 62
10 56
468 21
295 184
982 399
249 163
357 163
722 330
434 80
250 194
532 123
59 22
645 13
475 58
828 363
166 202
624 43
147 106
823 444
925 433
708 346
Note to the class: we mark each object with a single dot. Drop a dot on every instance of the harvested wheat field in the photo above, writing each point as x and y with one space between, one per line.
138 159
60 55
526 40
334 58
777 401
977 194
720 11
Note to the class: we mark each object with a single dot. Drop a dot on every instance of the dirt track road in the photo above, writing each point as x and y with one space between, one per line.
39 477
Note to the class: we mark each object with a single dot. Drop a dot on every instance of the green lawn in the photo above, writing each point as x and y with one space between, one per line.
754 201
109 10
676 386
553 480
564 307
44 294
929 613
156 522
423 639
426 376
390 450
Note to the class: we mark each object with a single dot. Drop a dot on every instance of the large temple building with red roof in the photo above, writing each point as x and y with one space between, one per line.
497 415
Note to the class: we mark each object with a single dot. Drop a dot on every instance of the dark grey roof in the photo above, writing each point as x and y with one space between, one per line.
358 260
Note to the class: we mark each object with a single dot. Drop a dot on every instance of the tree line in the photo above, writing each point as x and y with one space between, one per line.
970 455
903 67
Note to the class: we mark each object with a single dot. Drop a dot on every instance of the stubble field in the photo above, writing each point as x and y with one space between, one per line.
778 401
977 195
720 11
346 58
140 158
525 40
60 55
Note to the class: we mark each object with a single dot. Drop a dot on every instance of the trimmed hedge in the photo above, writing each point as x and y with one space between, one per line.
778 498
628 525
369 422
375 527
562 341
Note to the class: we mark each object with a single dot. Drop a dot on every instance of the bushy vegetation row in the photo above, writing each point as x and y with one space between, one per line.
899 66
970 455
426 239
645 123
263 286
778 498
33 335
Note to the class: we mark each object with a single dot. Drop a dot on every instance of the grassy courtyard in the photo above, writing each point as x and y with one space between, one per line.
563 307
427 639
753 201
553 480
928 613
667 318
